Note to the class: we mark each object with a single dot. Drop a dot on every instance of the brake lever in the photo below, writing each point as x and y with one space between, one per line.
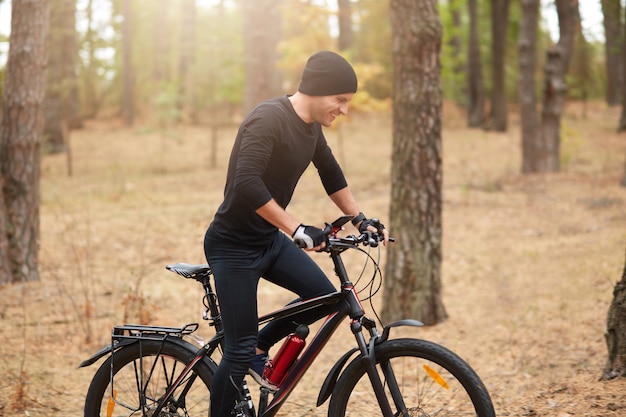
329 230
370 241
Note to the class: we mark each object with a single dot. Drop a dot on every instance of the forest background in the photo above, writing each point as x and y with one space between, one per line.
129 187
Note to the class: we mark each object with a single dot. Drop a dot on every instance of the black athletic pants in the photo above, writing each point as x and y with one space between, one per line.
237 269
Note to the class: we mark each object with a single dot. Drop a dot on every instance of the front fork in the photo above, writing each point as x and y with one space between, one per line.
368 359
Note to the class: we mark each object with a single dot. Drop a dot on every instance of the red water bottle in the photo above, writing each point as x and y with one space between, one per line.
286 356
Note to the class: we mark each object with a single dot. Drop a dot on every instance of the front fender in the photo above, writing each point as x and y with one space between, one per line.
405 322
333 376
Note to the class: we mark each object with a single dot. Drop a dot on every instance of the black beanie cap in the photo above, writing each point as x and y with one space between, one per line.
327 74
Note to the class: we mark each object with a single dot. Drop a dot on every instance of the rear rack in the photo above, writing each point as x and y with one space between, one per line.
138 331
128 334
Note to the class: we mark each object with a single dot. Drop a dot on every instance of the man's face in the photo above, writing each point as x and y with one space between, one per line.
325 109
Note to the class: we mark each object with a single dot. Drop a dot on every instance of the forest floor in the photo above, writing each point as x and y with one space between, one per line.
529 261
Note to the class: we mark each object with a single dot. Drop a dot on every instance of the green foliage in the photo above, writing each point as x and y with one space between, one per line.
454 51
217 61
219 58
165 104
372 46
307 26
305 31
586 71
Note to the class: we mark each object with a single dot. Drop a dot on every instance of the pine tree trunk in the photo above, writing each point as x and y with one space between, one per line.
622 122
554 92
413 269
527 45
499 23
20 138
6 274
616 332
555 86
90 100
614 39
344 8
61 76
476 88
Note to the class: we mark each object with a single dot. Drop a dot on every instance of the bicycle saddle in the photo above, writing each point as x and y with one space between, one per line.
189 270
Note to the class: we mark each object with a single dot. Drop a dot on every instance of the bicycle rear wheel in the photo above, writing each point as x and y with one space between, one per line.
142 373
420 379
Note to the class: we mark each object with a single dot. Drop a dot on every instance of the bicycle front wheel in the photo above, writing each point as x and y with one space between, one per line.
133 381
420 379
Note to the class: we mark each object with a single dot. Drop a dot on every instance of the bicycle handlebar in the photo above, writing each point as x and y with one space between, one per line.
366 238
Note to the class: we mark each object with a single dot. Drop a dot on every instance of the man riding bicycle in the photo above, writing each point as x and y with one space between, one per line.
249 235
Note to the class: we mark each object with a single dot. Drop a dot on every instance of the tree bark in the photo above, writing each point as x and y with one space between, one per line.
622 122
476 88
555 86
91 102
413 270
499 23
527 46
20 138
59 103
614 39
345 38
615 335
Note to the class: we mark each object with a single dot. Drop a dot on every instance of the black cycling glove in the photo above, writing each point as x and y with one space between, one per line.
371 222
308 236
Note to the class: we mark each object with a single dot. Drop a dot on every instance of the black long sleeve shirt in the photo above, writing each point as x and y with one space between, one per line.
272 150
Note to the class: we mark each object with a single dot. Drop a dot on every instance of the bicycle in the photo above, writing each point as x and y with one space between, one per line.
158 371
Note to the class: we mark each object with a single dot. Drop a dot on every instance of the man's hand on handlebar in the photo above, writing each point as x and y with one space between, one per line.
310 238
374 225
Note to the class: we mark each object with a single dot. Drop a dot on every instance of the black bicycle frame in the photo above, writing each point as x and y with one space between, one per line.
313 348
347 303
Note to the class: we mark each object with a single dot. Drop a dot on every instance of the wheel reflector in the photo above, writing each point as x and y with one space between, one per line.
111 404
435 375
